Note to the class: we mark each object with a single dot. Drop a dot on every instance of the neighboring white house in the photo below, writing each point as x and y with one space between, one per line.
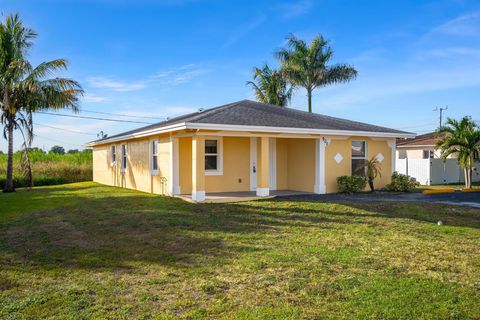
418 158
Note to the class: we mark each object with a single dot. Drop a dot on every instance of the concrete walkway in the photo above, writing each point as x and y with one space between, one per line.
458 198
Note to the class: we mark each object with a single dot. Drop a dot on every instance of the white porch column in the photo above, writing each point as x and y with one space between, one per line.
320 145
393 146
263 170
174 167
198 168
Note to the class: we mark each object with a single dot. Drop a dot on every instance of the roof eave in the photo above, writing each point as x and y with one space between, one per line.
228 127
141 134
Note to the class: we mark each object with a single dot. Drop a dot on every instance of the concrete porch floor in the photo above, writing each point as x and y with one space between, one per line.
224 197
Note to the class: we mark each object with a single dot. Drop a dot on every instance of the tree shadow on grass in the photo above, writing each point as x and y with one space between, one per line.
99 228
425 212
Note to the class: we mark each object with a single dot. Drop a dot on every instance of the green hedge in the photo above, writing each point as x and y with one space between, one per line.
350 184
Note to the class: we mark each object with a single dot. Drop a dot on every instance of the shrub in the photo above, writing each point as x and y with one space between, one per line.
402 183
350 184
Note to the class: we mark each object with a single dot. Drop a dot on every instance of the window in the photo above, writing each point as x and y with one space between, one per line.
154 157
113 152
427 154
213 157
359 156
124 157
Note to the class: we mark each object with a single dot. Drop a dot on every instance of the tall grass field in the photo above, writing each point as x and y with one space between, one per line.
50 168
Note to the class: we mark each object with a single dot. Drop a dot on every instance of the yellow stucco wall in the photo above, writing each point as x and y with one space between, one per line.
343 147
137 176
282 164
295 164
236 166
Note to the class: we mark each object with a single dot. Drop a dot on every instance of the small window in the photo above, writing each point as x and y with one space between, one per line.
154 156
359 157
211 155
124 157
427 154
113 154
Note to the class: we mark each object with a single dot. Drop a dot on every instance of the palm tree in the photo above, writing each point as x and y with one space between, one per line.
25 89
307 66
373 170
270 87
461 139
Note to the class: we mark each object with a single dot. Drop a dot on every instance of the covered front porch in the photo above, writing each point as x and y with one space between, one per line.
226 197
227 168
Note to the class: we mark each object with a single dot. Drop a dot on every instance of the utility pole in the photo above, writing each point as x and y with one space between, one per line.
441 109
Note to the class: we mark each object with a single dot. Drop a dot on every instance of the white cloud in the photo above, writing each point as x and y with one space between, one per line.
180 75
453 52
244 29
93 98
465 25
295 9
174 76
115 85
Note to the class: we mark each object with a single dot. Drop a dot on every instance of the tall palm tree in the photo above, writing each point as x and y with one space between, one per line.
270 86
461 139
307 65
25 89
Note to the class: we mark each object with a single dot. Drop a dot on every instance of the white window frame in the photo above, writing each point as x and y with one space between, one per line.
124 160
113 155
219 154
430 155
153 171
360 158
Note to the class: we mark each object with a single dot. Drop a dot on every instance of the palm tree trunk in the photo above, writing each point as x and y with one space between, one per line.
465 171
470 174
309 95
9 187
370 183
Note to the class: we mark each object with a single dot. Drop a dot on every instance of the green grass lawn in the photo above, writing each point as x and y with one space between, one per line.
90 251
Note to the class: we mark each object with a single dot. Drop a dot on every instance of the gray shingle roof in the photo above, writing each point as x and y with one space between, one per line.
251 113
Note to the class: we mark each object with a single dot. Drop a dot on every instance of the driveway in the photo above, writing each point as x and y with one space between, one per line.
458 198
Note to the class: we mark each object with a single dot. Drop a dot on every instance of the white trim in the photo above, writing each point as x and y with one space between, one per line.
415 146
174 167
366 157
153 172
320 146
263 192
273 163
145 133
124 156
253 164
219 171
113 151
392 145
198 196
229 127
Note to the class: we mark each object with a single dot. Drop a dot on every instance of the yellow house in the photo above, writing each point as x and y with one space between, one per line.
242 146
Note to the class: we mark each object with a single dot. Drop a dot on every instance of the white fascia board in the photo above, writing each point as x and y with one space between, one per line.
229 127
141 134
415 146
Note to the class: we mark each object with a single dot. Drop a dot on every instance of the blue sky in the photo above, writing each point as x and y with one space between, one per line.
164 58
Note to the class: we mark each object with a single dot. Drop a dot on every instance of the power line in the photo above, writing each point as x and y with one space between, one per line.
91 118
121 115
63 129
